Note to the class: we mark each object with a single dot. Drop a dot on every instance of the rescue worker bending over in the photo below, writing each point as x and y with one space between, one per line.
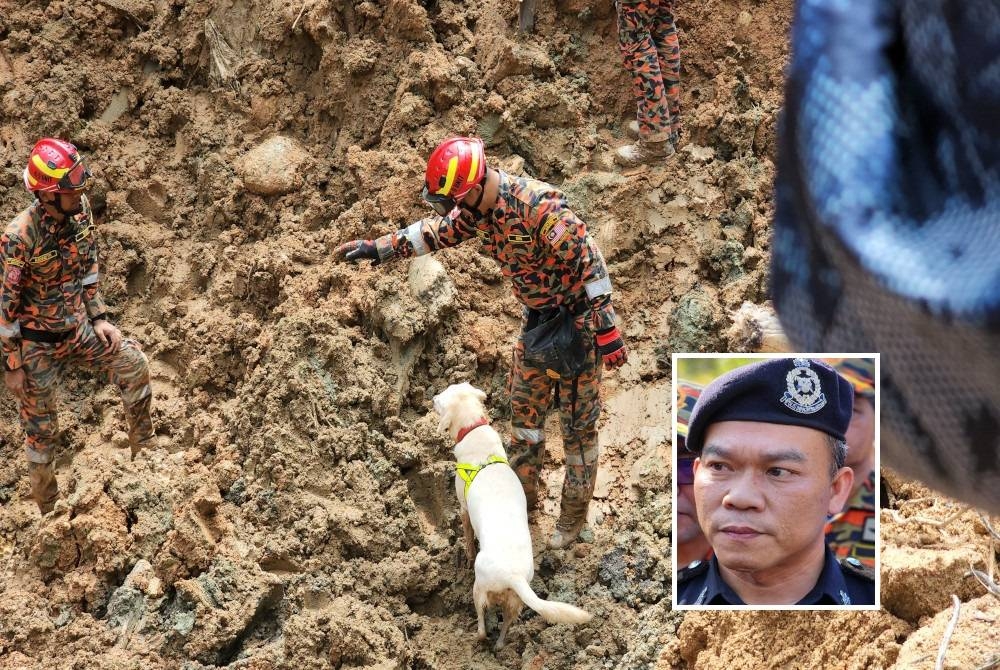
560 277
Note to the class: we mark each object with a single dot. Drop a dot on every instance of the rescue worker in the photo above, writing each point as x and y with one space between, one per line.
651 52
52 313
851 532
558 274
770 439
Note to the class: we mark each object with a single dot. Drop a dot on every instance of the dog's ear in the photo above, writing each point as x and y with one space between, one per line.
478 394
445 424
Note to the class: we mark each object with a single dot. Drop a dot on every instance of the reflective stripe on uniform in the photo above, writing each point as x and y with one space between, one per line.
589 456
414 233
529 435
598 287
13 330
90 279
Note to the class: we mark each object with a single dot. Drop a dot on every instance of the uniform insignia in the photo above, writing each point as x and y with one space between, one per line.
84 232
13 275
45 257
556 231
804 394
519 239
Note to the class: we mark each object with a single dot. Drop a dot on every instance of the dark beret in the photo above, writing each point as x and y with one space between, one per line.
791 391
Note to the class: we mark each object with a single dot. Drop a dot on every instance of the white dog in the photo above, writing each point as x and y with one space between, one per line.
492 502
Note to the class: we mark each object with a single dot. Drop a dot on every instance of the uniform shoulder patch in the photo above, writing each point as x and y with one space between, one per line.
854 567
553 228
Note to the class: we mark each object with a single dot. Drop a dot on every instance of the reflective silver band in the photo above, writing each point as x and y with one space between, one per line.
10 331
598 287
414 233
91 278
529 435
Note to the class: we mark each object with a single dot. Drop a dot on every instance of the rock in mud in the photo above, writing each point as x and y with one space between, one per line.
272 168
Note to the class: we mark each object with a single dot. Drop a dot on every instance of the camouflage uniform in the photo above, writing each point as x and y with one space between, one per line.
652 55
49 298
544 249
851 532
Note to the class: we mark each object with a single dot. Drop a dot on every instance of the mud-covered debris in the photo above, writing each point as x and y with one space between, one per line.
630 575
694 323
756 328
272 168
221 608
919 581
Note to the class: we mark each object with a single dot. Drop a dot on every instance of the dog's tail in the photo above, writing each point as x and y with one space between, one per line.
551 611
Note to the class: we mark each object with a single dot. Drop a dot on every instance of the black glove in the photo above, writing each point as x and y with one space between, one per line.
357 250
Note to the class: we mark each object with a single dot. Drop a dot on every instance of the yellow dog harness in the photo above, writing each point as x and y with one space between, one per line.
468 472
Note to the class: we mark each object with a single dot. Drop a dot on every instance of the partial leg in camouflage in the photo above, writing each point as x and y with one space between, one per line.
530 390
43 363
37 411
663 30
579 409
647 37
129 371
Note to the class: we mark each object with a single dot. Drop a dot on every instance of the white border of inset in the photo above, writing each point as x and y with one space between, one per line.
673 488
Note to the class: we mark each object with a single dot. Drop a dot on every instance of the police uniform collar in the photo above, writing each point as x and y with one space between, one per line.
830 589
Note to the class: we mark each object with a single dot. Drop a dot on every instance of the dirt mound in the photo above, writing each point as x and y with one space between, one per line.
299 512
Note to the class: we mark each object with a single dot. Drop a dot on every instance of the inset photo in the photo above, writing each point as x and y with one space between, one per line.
776 481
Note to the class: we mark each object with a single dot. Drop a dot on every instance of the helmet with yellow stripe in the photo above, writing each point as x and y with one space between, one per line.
55 166
454 168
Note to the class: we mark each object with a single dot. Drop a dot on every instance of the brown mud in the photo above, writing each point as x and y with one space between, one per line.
298 512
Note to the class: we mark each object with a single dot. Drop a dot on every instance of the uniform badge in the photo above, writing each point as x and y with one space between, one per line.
804 394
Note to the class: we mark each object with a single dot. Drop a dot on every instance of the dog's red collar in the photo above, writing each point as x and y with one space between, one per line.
468 429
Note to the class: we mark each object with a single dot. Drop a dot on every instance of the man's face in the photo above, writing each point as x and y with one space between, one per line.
860 433
763 492
62 204
687 529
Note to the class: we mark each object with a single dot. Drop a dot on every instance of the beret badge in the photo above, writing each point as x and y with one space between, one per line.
804 394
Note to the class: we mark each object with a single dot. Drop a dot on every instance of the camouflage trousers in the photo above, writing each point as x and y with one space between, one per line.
647 37
43 365
532 391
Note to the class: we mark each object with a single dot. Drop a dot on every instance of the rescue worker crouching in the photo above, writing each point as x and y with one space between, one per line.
559 276
52 313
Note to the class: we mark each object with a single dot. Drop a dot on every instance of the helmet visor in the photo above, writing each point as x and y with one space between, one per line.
75 178
441 204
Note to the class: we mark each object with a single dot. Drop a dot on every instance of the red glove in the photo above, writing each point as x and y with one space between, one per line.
612 348
355 250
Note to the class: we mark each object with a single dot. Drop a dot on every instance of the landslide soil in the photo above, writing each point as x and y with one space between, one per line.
298 511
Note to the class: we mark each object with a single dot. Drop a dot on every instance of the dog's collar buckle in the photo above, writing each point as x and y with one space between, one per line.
468 472
482 421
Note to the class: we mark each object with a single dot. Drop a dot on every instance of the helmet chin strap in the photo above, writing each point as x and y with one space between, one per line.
482 191
57 205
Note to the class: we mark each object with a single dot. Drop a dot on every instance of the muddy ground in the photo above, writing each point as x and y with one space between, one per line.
298 512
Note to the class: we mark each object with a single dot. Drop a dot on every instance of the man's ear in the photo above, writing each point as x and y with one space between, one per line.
840 489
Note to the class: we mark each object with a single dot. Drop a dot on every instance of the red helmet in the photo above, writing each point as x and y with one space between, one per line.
55 166
455 167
